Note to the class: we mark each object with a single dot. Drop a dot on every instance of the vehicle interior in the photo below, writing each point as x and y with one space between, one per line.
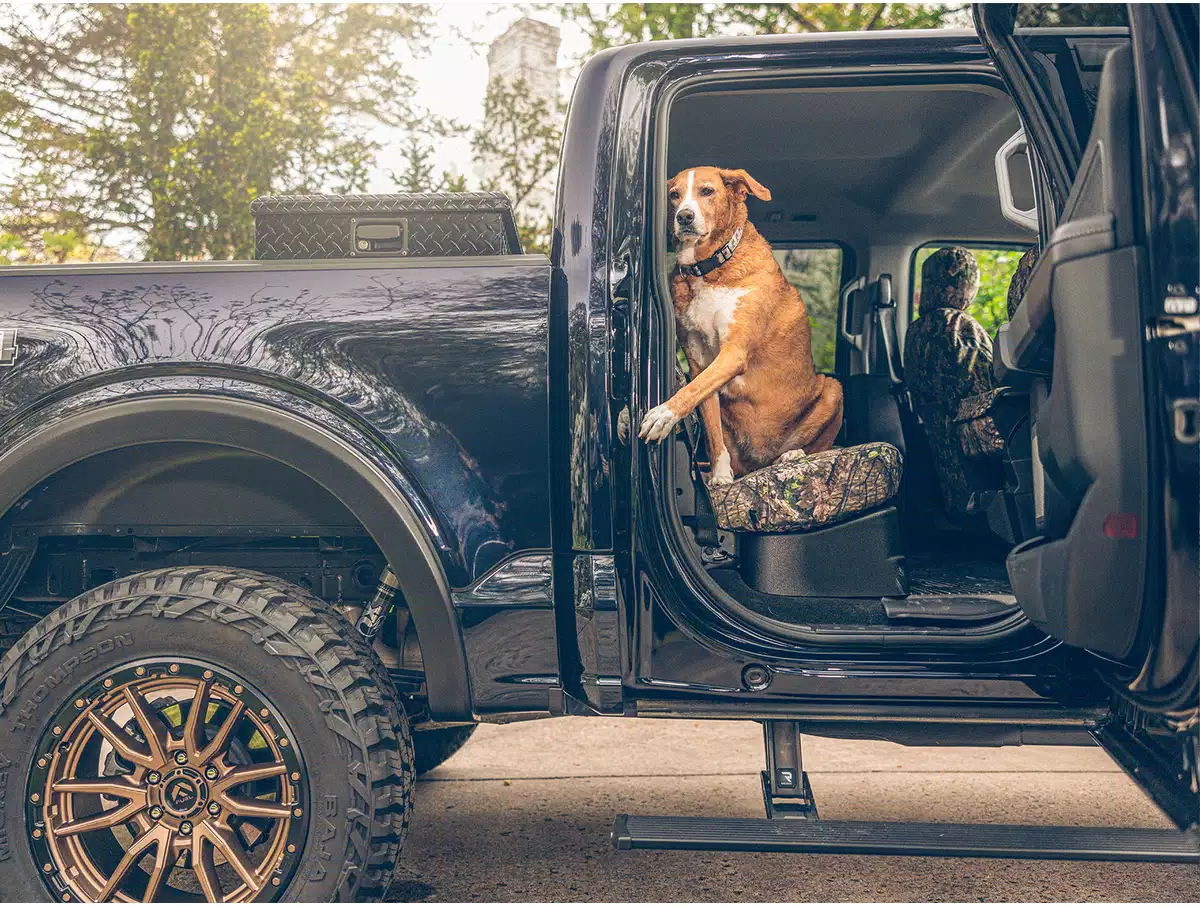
869 178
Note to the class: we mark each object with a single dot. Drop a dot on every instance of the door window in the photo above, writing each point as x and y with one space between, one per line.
817 272
996 269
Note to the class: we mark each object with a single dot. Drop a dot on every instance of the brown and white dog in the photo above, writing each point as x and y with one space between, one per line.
745 332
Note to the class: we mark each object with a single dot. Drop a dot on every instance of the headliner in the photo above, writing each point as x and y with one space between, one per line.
866 165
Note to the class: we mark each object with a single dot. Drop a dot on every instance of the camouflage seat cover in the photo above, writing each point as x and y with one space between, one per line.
799 493
977 433
947 358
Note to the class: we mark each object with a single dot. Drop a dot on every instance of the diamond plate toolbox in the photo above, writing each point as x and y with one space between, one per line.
429 225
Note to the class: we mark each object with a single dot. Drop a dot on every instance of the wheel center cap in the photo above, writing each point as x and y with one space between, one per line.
184 792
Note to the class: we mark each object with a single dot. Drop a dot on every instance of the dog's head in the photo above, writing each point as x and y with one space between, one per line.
706 202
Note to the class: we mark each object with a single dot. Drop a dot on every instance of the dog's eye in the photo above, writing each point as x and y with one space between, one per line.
673 195
706 191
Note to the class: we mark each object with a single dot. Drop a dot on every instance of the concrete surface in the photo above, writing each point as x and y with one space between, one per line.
523 813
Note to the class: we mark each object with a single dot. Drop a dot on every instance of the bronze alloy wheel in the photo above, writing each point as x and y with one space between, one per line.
167 780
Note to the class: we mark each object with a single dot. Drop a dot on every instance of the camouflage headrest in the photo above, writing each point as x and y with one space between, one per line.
949 279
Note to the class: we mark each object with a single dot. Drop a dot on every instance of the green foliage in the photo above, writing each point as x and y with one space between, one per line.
168 119
12 248
419 173
517 146
610 24
996 269
1060 15
59 246
817 273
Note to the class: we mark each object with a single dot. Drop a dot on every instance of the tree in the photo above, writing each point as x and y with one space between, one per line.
517 146
625 23
418 174
166 120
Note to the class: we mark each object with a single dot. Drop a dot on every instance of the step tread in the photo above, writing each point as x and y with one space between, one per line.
902 838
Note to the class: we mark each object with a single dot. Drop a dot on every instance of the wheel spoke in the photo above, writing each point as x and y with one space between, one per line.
193 730
164 859
111 818
114 787
126 746
159 836
248 773
248 807
153 728
221 739
202 865
231 850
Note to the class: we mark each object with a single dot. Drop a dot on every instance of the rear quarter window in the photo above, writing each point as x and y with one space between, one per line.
817 272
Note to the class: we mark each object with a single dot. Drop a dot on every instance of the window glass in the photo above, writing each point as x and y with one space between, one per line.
817 272
996 269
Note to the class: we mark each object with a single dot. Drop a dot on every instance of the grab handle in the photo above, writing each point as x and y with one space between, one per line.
1008 206
854 339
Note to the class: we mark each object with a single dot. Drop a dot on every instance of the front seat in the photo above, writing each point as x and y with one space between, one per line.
947 358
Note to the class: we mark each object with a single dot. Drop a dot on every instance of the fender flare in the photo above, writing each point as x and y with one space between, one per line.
315 452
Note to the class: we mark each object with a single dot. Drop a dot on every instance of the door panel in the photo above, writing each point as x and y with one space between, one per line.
1106 574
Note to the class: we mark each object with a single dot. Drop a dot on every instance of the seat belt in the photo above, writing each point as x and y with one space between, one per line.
885 319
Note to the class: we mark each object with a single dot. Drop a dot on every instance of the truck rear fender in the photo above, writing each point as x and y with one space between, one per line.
342 462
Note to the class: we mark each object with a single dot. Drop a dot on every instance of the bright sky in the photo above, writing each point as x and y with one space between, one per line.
452 78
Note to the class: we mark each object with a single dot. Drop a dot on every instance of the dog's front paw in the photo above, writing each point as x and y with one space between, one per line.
791 456
722 473
658 424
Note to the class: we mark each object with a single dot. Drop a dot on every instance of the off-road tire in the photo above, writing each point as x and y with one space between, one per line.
432 747
292 647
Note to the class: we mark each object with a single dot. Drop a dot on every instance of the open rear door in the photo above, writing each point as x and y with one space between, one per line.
1108 334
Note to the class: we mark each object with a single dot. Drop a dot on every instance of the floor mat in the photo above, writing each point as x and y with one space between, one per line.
823 612
928 575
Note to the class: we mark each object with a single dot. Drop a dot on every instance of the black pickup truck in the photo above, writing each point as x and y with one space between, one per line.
277 534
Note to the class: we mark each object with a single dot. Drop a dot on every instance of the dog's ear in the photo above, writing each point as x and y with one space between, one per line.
741 182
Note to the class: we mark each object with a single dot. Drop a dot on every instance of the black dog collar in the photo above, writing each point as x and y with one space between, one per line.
715 260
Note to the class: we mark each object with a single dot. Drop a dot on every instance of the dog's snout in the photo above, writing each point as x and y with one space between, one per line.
686 216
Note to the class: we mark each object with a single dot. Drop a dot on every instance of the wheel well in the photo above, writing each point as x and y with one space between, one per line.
86 475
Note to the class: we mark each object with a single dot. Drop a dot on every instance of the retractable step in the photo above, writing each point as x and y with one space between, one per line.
793 825
1000 841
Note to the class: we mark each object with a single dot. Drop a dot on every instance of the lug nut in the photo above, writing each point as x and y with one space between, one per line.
276 882
185 828
211 772
264 713
47 867
237 690
208 674
214 808
283 742
43 761
174 668
181 757
141 671
153 777
295 775
291 847
79 703
36 797
37 833
108 684
155 812
297 812
58 731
